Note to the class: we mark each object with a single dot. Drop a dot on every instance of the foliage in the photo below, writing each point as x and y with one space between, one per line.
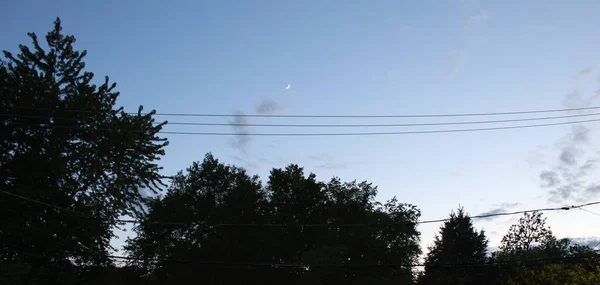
531 254
530 232
557 274
211 202
457 243
62 142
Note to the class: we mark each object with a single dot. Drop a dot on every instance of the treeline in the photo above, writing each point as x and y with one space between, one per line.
72 165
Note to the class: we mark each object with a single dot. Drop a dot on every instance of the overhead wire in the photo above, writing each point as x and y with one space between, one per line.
276 266
350 265
327 134
341 125
593 213
482 216
332 116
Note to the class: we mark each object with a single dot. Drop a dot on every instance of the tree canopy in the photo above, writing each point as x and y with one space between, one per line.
223 215
63 142
458 243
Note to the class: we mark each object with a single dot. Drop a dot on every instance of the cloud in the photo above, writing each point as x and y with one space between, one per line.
542 28
568 156
569 179
481 17
320 157
268 106
240 123
586 168
593 190
332 165
565 192
458 58
535 158
580 134
587 241
586 72
502 208
326 161
549 179
574 99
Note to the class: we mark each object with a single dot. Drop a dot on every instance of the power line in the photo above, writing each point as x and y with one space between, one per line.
382 133
380 125
279 266
276 266
350 265
342 125
45 204
330 116
484 216
337 134
593 213
51 206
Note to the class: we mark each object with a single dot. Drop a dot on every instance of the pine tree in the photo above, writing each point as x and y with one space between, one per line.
70 162
457 243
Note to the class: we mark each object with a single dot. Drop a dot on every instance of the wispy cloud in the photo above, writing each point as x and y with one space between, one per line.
567 179
575 99
568 155
541 28
240 126
549 179
458 58
592 242
536 158
482 16
332 165
571 179
326 161
320 157
586 72
268 106
497 209
244 162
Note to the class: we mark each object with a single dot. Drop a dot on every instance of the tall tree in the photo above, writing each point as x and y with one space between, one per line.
310 237
531 254
529 233
189 250
457 243
81 162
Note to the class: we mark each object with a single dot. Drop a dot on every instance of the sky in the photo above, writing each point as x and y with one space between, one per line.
361 58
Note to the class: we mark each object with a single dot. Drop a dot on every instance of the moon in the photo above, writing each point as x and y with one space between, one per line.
288 86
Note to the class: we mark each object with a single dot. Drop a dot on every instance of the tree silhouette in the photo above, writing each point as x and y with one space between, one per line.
231 230
62 142
530 232
457 243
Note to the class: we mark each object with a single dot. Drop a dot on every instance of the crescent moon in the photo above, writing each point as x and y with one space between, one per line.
288 86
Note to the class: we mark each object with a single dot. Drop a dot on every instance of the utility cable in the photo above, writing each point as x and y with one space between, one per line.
484 216
329 116
337 134
339 125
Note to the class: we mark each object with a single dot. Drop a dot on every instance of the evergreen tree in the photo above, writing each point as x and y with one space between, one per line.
457 243
70 162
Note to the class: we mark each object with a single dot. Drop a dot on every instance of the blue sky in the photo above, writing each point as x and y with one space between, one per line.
360 58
